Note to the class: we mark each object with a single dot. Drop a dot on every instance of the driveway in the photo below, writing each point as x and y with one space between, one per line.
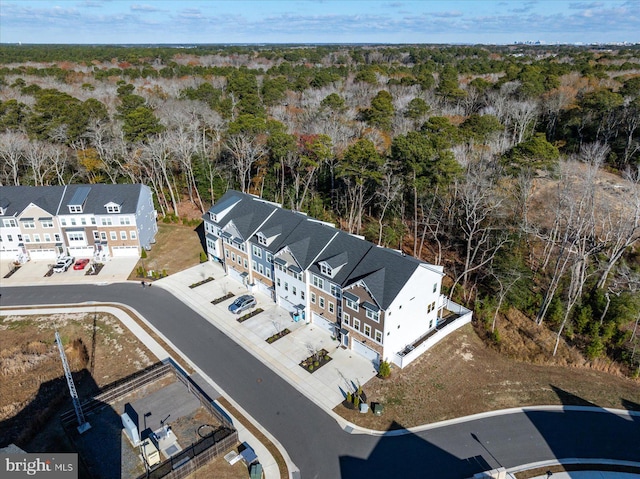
313 439
327 386
33 273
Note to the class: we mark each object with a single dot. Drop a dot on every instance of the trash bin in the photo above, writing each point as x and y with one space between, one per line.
377 408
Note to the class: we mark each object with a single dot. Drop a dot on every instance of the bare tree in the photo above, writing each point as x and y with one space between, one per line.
478 211
245 151
12 150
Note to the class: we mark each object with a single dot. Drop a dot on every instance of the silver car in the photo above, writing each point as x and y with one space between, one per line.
242 303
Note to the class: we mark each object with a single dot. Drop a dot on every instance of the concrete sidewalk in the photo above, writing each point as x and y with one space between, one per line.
326 387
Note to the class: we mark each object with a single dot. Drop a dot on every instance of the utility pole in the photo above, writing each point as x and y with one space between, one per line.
82 424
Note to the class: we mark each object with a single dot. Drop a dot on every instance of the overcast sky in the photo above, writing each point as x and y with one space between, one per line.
318 21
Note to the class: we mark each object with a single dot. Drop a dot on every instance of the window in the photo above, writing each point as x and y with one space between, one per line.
93 220
9 238
96 235
375 315
326 269
351 304
75 209
262 239
302 295
257 252
56 237
123 235
113 235
239 260
10 222
226 253
367 330
269 257
356 324
321 302
431 324
113 208
63 222
286 286
278 282
255 266
294 290
260 269
47 238
75 236
125 220
313 298
318 282
345 318
47 224
29 225
246 264
83 221
268 273
378 336
27 239
133 234
435 287
335 291
105 221
73 221
36 238
233 257
331 307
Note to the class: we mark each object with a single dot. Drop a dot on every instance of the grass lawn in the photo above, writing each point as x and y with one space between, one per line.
462 375
177 248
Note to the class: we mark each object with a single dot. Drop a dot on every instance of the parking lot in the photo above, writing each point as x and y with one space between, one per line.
35 273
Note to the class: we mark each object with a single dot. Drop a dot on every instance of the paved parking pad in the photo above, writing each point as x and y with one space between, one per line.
326 386
33 273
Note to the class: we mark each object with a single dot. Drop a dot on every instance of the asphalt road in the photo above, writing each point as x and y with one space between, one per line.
314 440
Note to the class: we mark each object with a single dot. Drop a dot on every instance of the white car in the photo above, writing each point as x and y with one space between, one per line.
63 264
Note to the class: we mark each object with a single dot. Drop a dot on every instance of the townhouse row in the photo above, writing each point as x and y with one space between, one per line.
100 221
376 301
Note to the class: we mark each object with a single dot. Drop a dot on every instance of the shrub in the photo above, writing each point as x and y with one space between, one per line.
203 257
316 363
143 255
349 397
356 401
384 371
164 273
311 367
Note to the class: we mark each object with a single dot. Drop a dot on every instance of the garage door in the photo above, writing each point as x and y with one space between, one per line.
81 251
264 289
365 351
324 323
236 275
10 255
39 254
120 251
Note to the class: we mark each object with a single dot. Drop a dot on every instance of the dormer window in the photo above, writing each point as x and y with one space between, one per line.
75 208
112 207
262 239
213 217
78 199
326 269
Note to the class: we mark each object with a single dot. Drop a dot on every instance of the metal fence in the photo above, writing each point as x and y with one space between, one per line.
119 389
195 456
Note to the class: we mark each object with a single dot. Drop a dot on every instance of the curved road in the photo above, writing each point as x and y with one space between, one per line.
315 442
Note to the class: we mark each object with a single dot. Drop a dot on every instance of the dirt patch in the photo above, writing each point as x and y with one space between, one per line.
462 375
177 248
99 351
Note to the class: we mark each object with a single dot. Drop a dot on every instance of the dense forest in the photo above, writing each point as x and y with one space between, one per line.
515 167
